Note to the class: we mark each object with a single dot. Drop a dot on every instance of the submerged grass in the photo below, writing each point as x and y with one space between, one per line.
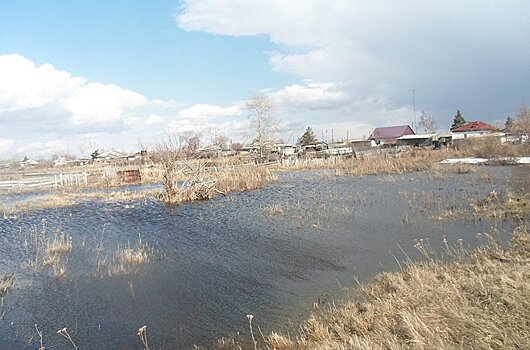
125 260
67 199
481 301
497 206
44 251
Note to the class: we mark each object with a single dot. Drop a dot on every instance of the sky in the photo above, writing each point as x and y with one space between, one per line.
81 75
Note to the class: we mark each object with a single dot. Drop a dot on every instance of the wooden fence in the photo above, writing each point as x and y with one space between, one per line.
44 180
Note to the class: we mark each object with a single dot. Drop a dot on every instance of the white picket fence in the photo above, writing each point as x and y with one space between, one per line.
43 181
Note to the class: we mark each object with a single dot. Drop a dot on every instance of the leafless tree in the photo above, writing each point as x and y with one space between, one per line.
428 123
216 137
167 153
190 142
522 122
260 112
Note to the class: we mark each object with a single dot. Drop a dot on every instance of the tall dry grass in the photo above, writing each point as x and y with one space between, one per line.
399 163
491 147
481 301
125 260
211 184
45 250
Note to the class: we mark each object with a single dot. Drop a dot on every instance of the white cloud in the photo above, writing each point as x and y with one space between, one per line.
458 54
40 104
96 102
42 148
200 118
313 96
6 145
204 112
24 85
154 119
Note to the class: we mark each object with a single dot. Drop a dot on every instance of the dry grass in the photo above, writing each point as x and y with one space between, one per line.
490 147
391 163
6 283
67 199
508 206
60 244
126 260
478 302
212 184
274 209
45 251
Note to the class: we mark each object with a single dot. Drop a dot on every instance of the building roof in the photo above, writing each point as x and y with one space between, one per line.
417 137
391 132
475 126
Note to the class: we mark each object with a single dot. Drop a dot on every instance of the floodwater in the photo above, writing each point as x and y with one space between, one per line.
270 253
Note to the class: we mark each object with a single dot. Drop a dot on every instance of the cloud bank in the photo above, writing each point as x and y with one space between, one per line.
470 55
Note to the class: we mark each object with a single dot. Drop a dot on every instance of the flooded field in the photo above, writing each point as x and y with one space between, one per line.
271 253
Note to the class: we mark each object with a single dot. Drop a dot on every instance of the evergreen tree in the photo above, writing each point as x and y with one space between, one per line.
458 120
308 137
95 154
508 125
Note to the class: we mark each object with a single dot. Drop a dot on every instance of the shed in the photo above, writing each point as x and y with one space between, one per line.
421 140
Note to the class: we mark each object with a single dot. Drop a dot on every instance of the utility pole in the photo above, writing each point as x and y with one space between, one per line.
414 126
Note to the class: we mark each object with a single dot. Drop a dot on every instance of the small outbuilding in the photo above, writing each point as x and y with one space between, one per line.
421 140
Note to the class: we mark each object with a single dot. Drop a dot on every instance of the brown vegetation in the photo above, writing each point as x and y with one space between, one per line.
497 206
6 283
46 251
126 260
206 184
491 147
477 302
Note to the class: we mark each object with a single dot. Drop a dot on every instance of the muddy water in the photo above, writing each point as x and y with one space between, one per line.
269 252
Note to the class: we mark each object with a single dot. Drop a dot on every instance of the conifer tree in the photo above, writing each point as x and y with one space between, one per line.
458 120
308 137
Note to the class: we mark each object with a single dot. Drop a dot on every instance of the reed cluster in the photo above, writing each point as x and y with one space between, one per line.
202 185
48 251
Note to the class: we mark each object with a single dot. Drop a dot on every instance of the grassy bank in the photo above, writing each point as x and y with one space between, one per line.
480 301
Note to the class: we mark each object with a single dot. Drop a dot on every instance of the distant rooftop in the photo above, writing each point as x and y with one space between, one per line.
391 132
475 126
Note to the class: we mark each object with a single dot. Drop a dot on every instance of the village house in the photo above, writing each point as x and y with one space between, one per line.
388 135
28 163
473 129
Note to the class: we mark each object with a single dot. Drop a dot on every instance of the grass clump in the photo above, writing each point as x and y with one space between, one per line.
274 209
45 251
6 283
126 260
203 183
477 302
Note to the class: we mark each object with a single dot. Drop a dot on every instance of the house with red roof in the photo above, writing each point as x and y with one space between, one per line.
473 129
390 134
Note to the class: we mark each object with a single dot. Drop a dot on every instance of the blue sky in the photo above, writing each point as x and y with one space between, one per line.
77 75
